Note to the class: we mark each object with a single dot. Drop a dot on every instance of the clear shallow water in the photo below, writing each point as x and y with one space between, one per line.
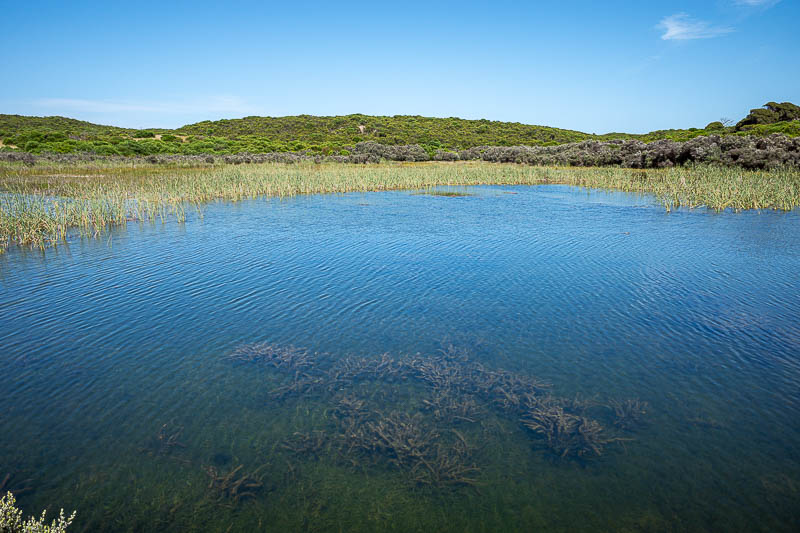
602 295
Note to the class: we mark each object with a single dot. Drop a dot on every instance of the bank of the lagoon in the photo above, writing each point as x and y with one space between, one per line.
514 358
44 204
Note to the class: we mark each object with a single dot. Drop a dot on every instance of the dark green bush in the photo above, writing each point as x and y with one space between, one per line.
32 147
770 113
785 110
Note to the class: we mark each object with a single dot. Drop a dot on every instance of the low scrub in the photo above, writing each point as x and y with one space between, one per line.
749 152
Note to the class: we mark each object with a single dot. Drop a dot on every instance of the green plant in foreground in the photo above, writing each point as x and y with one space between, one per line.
11 520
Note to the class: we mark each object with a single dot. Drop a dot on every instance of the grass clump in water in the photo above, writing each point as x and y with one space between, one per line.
439 192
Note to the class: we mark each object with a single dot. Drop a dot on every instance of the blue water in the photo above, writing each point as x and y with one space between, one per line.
602 295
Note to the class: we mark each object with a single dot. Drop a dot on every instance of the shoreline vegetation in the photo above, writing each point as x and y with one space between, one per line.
50 202
751 152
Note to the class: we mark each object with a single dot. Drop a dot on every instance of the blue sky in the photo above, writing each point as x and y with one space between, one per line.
585 65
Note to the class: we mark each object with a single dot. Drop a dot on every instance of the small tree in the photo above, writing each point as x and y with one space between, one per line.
770 113
786 110
11 519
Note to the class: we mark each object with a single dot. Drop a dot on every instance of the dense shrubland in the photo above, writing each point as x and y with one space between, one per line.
750 152
321 135
338 136
770 113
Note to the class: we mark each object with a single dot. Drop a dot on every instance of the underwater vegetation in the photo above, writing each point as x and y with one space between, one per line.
166 441
235 485
630 413
424 415
424 420
10 483
408 443
567 434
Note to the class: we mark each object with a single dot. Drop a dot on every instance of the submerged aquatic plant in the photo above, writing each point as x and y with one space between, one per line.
307 443
165 442
449 406
235 485
407 443
456 382
8 483
273 354
567 434
167 438
629 414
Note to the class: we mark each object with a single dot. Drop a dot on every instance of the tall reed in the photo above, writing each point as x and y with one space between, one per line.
43 205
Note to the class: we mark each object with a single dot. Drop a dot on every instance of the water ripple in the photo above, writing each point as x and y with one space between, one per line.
599 294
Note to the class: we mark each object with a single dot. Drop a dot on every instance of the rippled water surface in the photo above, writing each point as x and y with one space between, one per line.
125 394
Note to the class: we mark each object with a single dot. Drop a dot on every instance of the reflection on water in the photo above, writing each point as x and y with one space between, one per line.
550 359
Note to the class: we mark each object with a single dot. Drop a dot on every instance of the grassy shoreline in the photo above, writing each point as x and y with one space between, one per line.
43 205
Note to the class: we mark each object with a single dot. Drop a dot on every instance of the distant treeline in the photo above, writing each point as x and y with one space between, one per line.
339 136
751 152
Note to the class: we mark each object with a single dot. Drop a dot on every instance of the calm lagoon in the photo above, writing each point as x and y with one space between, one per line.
140 370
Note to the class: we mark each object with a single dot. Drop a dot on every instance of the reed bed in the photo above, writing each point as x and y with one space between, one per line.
44 204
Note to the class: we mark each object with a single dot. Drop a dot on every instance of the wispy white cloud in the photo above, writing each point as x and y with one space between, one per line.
216 104
681 27
756 3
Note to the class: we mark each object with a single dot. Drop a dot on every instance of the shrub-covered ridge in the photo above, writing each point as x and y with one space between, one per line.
772 151
337 135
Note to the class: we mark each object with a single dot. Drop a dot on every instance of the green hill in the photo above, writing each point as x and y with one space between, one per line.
17 123
452 133
325 135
